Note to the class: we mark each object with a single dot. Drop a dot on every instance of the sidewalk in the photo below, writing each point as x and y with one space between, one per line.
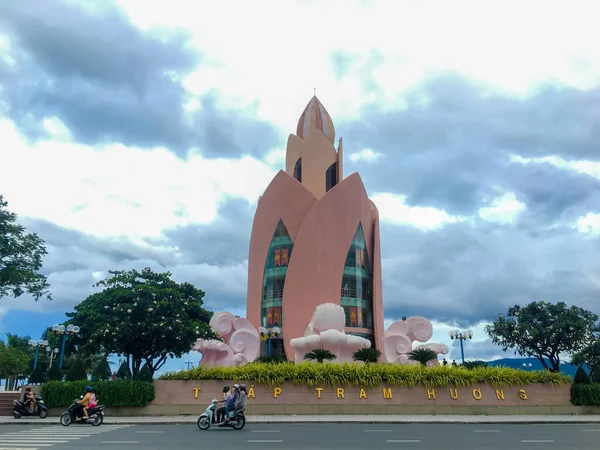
165 420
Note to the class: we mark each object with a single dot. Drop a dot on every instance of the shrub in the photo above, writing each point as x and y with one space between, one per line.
474 364
54 373
422 355
101 371
265 359
77 371
595 378
144 374
366 355
124 373
110 393
319 355
37 376
581 376
369 375
585 394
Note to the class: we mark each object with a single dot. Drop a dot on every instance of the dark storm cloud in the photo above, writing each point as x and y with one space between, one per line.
449 147
108 81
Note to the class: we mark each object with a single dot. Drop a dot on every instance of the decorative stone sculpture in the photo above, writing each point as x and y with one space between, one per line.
240 345
326 330
399 337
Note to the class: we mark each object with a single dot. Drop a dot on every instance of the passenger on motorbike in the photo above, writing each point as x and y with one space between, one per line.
93 402
230 404
85 401
221 410
241 402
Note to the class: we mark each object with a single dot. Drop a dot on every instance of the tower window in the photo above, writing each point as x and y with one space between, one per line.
331 177
298 170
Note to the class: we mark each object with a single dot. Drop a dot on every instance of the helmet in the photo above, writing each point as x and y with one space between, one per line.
88 389
225 388
242 386
236 386
28 388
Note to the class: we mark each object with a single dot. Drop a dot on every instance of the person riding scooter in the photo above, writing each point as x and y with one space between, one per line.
241 402
230 404
29 399
221 411
85 401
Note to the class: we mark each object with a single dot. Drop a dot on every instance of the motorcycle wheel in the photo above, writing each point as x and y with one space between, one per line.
101 416
203 423
65 419
43 413
16 414
239 423
96 421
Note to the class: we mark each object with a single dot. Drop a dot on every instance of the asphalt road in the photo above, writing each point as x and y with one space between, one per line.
303 436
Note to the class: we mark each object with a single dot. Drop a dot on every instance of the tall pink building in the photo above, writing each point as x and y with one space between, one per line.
315 240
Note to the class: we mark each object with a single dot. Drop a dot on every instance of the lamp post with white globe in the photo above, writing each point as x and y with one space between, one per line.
266 334
37 345
52 354
65 331
463 336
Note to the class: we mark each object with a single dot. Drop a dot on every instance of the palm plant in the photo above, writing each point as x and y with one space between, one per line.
366 355
320 355
422 355
474 364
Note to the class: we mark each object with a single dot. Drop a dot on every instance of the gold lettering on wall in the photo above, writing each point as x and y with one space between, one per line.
276 392
319 390
340 392
477 394
196 390
430 394
453 394
499 394
387 393
362 393
251 392
523 394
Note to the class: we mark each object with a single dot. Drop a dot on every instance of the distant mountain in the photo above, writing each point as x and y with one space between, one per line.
517 363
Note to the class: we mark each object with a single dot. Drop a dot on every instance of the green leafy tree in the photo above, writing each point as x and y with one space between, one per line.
319 355
581 376
144 316
54 373
13 364
124 373
37 376
589 355
77 371
422 355
366 355
21 256
595 375
544 330
101 370
144 374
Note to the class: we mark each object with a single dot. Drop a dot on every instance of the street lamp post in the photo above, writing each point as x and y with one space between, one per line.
52 354
267 334
37 345
463 336
60 329
189 363
525 365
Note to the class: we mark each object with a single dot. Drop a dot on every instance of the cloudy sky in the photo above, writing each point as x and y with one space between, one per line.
139 133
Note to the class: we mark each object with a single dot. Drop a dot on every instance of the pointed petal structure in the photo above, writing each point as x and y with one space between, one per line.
315 116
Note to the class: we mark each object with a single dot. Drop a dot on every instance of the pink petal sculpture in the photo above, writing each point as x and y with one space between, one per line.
399 337
240 345
326 330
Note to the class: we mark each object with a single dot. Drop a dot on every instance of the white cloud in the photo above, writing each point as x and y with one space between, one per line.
392 208
117 190
588 224
503 209
591 168
366 154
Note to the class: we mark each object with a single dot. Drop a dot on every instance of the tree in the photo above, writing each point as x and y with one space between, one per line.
101 370
37 376
20 343
13 364
589 355
77 371
144 316
595 375
54 373
124 373
544 330
144 374
581 376
21 256
320 355
422 355
366 355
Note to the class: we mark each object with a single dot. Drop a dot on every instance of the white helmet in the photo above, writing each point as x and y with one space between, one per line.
236 386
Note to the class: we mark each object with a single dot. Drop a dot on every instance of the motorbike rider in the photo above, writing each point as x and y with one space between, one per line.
85 401
230 404
240 405
221 410
29 399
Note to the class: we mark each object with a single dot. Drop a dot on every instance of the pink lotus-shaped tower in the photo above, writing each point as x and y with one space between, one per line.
315 240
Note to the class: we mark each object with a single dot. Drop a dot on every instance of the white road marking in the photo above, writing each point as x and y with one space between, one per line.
537 441
486 431
120 442
404 440
265 431
149 432
377 431
591 430
265 441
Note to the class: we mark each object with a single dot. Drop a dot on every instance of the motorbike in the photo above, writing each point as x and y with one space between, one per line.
20 410
208 418
74 414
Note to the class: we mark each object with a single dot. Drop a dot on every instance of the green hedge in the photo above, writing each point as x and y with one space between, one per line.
110 393
369 375
585 394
